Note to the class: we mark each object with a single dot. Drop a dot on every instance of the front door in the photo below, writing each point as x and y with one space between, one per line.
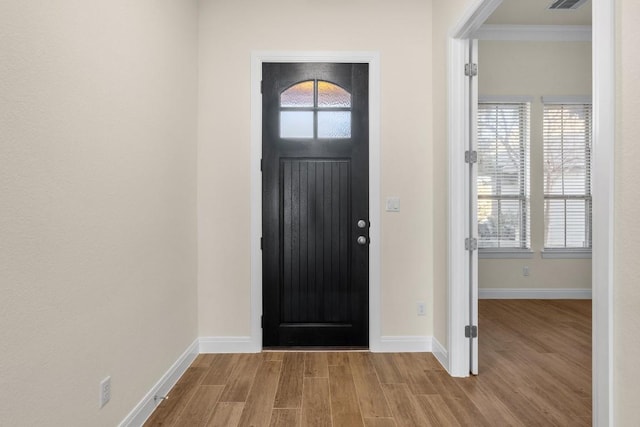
315 204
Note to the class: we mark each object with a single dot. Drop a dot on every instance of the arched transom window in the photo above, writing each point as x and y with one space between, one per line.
315 109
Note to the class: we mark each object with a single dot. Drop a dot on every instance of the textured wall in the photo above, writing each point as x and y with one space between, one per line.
401 32
627 227
97 204
534 69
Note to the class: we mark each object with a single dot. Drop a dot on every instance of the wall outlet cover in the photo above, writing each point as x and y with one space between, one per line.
105 391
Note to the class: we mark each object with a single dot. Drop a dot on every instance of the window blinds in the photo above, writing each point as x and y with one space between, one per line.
567 175
503 175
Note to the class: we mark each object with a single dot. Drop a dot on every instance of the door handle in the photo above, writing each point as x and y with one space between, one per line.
362 240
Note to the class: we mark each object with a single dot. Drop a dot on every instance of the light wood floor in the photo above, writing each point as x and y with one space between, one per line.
535 370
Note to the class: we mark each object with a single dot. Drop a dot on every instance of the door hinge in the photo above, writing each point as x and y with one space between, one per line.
471 156
261 164
261 86
261 321
261 243
471 332
471 244
471 70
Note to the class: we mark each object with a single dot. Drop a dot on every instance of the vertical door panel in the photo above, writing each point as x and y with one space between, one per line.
315 199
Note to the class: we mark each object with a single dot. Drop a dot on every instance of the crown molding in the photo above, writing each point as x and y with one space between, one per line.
543 33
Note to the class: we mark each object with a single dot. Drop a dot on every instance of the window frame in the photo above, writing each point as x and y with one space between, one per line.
524 197
570 252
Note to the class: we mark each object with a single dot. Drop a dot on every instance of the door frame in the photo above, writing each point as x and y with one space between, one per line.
366 57
459 134
603 60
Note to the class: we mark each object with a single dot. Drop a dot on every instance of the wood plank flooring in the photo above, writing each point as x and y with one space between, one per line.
535 370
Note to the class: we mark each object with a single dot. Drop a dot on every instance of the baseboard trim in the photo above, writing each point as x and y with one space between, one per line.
405 344
533 293
388 344
440 353
228 345
145 408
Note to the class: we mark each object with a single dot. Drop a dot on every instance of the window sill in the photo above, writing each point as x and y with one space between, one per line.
505 253
574 253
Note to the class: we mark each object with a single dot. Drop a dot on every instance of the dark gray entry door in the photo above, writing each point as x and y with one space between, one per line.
315 213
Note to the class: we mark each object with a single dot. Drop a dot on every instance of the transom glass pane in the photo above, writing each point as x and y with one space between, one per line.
331 95
299 95
315 109
296 124
334 124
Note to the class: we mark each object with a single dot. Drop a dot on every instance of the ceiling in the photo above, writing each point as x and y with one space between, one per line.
536 12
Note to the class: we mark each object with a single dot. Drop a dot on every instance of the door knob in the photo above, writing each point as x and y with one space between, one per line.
362 223
362 240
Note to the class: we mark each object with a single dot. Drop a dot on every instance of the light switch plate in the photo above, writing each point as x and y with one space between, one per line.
393 204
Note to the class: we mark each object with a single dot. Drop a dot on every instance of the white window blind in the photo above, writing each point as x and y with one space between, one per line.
503 175
567 175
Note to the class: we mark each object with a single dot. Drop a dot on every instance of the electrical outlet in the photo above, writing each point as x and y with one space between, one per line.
420 308
525 270
105 391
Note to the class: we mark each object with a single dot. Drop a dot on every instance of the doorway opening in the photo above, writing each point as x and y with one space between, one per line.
461 271
534 149
371 59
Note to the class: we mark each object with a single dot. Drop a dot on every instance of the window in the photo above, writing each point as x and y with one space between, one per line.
503 175
315 109
567 175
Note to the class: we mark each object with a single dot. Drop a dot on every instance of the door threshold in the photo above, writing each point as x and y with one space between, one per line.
315 349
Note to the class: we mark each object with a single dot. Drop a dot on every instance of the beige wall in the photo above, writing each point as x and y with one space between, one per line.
97 204
627 227
229 32
534 69
97 181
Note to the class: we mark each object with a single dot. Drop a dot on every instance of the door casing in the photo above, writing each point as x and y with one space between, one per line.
373 59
